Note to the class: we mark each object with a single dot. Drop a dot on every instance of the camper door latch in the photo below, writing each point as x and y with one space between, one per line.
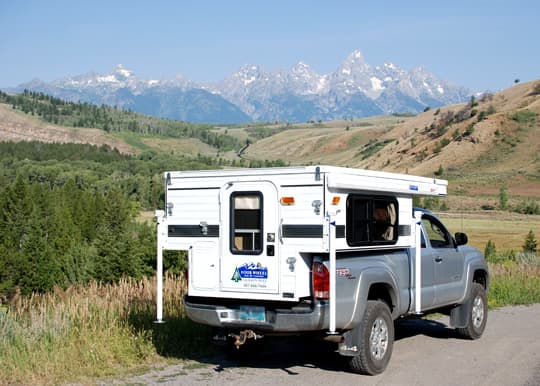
170 207
204 227
291 261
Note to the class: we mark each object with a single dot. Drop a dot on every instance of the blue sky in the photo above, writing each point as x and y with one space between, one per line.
482 45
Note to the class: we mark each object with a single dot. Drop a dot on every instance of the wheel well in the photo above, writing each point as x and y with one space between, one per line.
381 291
480 277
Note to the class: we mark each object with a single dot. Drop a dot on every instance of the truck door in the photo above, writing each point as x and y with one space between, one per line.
428 275
448 261
249 251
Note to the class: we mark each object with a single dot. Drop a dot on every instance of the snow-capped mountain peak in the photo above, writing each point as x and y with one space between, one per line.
354 89
122 73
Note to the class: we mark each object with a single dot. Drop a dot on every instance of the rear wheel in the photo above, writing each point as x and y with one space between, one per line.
376 340
477 318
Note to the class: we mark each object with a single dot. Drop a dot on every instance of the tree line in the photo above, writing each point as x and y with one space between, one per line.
61 235
68 213
113 119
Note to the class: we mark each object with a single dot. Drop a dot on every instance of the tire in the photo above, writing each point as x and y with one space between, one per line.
376 340
478 314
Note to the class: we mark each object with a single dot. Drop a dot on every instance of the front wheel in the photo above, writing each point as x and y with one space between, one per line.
376 340
477 318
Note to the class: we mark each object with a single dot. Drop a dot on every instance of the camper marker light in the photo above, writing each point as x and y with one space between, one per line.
287 200
335 200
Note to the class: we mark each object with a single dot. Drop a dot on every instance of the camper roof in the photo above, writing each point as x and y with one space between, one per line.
337 178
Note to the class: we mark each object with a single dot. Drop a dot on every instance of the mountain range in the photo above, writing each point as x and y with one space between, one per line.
354 90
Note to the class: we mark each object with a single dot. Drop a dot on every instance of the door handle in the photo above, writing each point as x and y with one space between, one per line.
438 259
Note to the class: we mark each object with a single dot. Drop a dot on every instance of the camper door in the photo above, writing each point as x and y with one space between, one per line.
249 247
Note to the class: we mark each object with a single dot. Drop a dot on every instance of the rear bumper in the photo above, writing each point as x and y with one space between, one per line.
277 320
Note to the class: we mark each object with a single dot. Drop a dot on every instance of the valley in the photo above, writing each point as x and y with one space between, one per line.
483 146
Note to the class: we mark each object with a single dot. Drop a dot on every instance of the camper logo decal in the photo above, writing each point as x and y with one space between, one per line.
250 271
236 276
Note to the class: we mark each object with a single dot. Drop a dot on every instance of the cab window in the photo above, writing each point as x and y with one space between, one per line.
437 234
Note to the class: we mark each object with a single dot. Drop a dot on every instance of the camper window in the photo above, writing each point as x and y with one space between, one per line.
246 223
371 220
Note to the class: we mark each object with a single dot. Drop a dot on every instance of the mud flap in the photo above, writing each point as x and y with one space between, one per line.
459 316
349 346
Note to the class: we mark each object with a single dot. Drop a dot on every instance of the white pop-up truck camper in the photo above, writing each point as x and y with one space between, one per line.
308 248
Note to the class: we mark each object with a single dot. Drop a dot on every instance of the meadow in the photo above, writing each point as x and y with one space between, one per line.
506 230
84 333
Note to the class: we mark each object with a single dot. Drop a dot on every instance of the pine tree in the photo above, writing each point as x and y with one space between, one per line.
531 245
503 198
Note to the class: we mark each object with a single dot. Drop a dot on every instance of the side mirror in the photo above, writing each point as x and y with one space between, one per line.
461 238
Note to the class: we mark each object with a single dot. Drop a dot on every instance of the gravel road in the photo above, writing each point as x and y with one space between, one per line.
426 352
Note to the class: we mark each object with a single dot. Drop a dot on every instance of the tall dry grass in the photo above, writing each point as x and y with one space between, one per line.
93 331
99 330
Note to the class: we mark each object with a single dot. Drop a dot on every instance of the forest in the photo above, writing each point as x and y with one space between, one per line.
68 214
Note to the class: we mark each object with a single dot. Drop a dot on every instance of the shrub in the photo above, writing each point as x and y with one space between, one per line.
503 198
524 116
530 244
481 116
469 130
431 203
490 251
528 207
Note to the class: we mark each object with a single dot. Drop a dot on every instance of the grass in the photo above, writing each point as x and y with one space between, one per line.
134 140
514 280
94 331
506 230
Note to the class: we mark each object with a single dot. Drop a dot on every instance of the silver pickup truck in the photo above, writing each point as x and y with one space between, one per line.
332 251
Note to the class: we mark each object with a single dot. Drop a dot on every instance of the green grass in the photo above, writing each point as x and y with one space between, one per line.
133 139
373 147
524 116
514 282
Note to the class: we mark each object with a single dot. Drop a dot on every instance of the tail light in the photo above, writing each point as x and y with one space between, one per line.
320 280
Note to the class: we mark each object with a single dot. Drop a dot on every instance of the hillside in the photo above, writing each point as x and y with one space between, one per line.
481 146
16 126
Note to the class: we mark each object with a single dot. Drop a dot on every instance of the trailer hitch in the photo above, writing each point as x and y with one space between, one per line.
243 336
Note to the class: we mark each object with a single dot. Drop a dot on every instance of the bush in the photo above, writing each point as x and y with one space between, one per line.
524 116
439 172
490 251
503 198
531 244
528 207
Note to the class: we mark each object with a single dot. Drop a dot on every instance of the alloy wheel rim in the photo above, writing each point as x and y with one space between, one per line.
378 338
478 312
